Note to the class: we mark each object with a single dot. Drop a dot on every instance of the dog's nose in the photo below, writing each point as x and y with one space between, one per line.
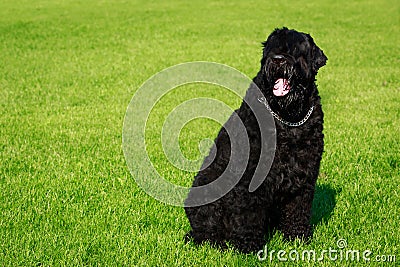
278 59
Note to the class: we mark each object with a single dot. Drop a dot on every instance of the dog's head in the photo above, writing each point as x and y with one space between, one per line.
289 65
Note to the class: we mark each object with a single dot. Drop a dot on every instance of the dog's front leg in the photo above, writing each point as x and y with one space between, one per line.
296 214
248 230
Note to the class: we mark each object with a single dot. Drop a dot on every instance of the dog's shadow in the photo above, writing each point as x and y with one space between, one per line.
323 204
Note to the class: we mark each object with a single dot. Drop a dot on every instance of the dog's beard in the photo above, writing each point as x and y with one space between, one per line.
288 94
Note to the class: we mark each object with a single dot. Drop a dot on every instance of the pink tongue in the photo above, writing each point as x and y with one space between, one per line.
281 87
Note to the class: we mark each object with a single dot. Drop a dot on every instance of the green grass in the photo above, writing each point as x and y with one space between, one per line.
68 70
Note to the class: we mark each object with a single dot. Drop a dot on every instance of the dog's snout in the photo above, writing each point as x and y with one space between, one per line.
278 59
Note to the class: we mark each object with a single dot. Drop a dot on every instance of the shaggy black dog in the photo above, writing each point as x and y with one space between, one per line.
286 80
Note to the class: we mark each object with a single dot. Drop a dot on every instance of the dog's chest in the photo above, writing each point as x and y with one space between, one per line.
293 136
297 146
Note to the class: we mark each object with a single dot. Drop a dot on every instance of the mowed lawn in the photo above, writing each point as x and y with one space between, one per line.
68 70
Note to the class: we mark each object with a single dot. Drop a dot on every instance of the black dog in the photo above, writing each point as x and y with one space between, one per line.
286 80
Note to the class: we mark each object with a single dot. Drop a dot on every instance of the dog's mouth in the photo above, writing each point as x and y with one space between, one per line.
281 87
280 70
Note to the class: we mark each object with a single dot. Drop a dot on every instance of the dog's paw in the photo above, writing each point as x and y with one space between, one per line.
304 234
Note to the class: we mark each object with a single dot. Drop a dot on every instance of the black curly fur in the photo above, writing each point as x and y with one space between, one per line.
283 201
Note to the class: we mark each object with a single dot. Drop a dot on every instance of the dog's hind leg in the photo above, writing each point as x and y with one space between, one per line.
207 225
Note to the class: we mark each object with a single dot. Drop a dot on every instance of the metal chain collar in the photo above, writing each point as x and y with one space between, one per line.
263 100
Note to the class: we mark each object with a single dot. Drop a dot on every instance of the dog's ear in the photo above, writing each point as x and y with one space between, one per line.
266 49
318 57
